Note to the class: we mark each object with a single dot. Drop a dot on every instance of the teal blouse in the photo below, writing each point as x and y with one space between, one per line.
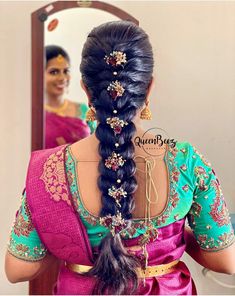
195 192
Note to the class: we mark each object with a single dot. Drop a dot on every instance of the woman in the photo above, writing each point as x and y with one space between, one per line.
65 120
121 230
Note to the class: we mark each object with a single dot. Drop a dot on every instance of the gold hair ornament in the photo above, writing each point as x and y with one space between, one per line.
116 124
114 161
116 58
115 89
117 194
115 223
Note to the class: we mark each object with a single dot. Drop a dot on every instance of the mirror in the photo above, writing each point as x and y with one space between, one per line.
49 25
65 102
65 24
72 40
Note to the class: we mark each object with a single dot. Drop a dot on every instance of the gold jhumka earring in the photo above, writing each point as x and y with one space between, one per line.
146 113
90 115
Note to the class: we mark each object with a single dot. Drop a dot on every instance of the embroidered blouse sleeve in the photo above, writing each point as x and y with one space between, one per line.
208 217
82 110
24 242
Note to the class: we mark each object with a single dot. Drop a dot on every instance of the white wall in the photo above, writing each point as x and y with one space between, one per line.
193 99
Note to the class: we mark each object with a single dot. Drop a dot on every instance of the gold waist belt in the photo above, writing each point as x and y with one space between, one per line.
150 271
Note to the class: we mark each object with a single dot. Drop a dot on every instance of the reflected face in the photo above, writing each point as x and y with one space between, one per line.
57 76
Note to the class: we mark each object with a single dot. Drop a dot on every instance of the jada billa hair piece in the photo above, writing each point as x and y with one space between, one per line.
116 124
115 223
114 161
150 235
117 194
115 89
116 58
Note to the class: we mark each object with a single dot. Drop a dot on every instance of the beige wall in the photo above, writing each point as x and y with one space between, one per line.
193 99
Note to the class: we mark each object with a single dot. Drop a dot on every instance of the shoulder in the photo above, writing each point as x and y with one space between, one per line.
190 155
181 150
47 152
187 152
76 108
186 149
39 158
82 107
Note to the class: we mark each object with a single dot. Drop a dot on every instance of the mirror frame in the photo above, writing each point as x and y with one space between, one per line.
43 283
38 18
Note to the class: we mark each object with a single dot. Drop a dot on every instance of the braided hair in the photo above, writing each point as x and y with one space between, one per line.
116 68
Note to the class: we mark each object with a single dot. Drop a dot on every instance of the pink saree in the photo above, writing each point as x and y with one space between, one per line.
64 235
64 130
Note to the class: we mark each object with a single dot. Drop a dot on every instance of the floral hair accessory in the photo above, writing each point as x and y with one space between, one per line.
115 223
116 124
117 194
115 89
114 161
150 235
115 58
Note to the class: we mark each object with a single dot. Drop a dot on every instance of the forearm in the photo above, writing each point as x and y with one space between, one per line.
18 270
220 261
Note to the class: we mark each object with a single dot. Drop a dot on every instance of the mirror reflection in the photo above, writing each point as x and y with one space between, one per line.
65 119
65 103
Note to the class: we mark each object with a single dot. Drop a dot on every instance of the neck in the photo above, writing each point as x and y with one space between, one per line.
54 101
140 131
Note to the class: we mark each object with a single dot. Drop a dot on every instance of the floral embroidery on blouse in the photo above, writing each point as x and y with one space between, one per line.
73 187
220 216
21 249
22 227
202 157
208 216
209 243
27 212
25 252
54 178
24 242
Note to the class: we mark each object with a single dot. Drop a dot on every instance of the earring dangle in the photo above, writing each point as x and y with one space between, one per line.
90 115
146 114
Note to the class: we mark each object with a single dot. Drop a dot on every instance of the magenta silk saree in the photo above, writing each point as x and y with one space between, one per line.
64 235
64 130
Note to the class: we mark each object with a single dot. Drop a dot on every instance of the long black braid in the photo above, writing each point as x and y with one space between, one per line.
115 268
